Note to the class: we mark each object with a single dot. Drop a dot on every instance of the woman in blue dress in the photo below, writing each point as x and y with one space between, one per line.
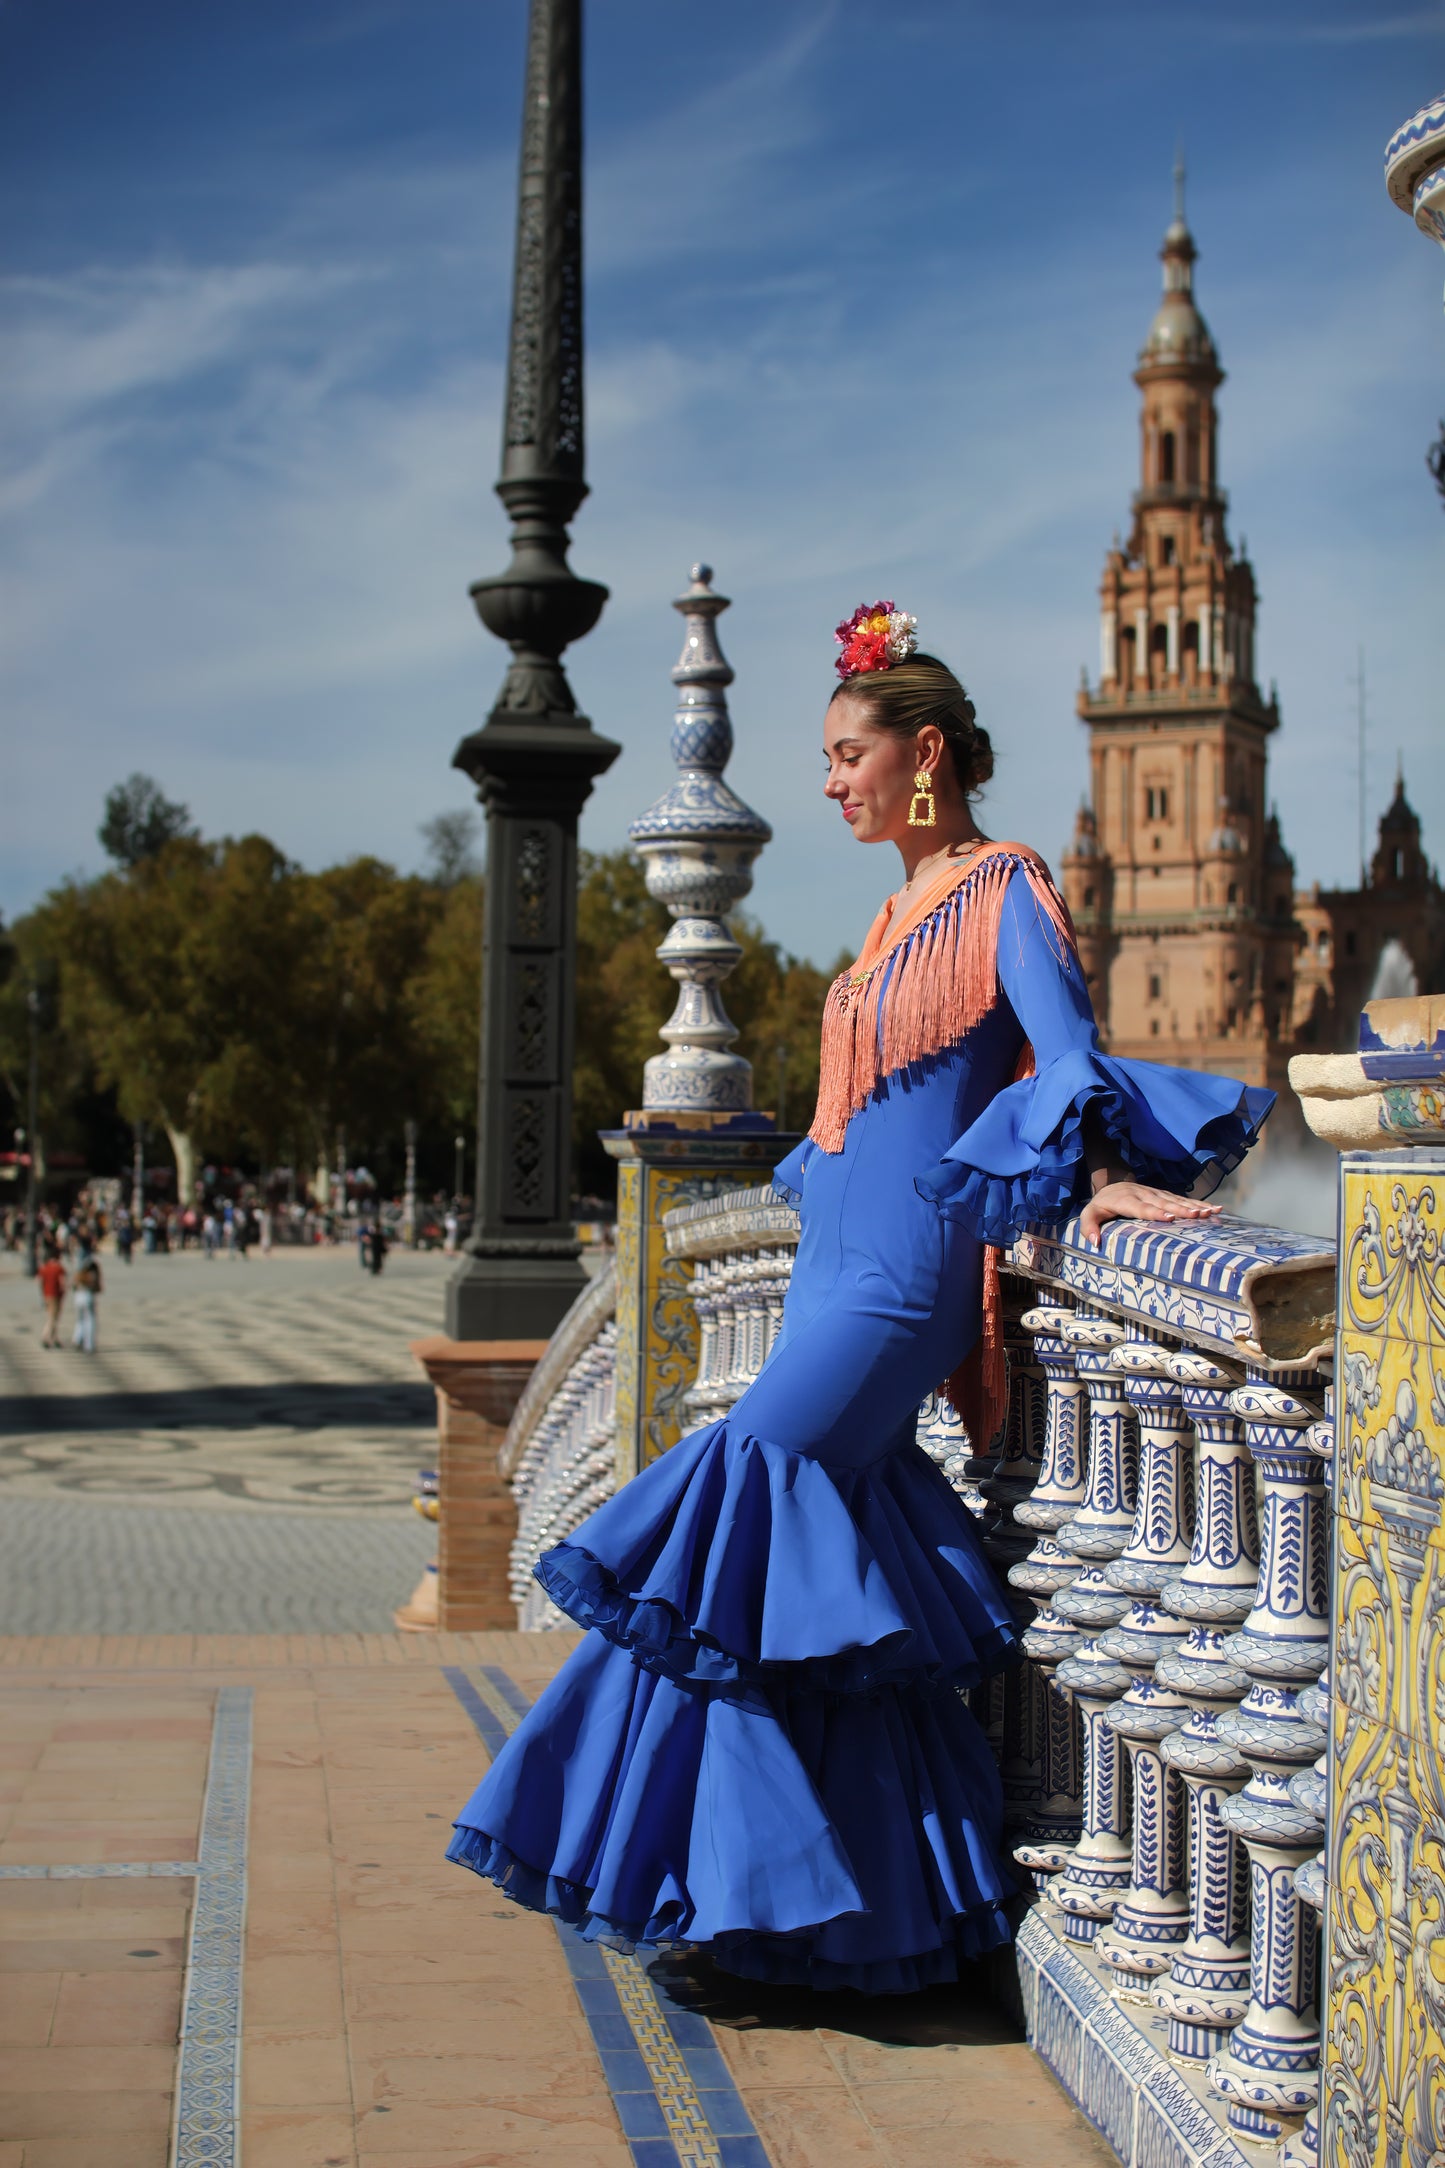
760 1747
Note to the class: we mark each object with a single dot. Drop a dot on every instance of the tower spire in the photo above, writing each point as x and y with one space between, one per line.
1179 218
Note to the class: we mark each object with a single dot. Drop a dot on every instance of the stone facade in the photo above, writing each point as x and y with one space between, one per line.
1198 947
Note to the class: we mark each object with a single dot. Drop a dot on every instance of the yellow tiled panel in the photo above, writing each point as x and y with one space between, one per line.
1385 1991
1392 1266
1385 2005
1392 1442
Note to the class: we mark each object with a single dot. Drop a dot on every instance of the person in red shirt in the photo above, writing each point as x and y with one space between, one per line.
52 1293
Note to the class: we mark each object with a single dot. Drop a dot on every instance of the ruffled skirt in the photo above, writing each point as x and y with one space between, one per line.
763 1746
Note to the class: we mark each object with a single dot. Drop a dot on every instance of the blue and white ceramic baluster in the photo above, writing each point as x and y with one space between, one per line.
1152 1916
1206 1992
1100 1865
1013 1480
1053 1827
1310 1791
1268 2071
1102 1527
1023 1730
1062 1484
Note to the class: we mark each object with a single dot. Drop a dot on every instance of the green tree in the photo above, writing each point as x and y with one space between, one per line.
446 1001
449 839
140 821
173 974
362 1060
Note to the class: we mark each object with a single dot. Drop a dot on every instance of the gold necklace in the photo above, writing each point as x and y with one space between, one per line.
934 856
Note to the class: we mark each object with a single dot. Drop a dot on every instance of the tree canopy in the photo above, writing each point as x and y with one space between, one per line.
140 821
256 1012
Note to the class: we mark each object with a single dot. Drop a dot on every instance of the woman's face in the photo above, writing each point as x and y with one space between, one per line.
870 771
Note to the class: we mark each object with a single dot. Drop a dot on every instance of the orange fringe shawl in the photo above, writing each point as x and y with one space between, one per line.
918 987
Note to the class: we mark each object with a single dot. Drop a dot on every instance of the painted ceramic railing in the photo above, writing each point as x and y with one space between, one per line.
559 1454
1181 1575
1157 1499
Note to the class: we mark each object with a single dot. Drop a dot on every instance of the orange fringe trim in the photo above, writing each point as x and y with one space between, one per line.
933 977
926 988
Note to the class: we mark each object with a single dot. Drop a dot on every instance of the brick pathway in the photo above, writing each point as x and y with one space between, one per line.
397 2013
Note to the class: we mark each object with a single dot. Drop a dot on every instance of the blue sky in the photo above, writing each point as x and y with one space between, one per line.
865 287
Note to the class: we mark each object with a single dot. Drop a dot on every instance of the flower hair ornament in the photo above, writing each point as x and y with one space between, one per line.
875 637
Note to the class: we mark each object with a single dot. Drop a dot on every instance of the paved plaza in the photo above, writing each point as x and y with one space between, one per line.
227 1929
236 1845
238 1457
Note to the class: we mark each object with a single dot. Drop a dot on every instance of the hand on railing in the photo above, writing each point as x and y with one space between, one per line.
1135 1200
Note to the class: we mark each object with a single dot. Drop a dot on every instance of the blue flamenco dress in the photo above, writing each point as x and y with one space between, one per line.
761 1746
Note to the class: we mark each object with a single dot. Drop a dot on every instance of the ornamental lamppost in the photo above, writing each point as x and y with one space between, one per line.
535 758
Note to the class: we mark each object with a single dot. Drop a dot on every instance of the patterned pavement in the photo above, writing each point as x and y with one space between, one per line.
239 1456
380 2008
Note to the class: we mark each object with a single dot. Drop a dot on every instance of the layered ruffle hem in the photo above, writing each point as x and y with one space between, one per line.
762 1746
1021 1164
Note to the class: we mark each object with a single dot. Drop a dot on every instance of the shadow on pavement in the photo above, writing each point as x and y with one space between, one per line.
965 2014
225 1407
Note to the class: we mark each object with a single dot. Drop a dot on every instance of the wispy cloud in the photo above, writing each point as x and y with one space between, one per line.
243 495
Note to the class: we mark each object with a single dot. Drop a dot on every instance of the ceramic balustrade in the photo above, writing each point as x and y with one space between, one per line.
1061 1487
1099 1532
1012 1481
1152 1915
1185 1656
564 1471
1029 1739
1268 2070
1161 1672
1059 1494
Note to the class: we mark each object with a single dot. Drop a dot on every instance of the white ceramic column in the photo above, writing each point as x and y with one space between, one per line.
1268 2071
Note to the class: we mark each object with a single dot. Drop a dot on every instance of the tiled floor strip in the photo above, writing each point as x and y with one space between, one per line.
93 1869
208 2075
676 2102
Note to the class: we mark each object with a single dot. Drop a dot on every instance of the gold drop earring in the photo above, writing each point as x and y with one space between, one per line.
922 795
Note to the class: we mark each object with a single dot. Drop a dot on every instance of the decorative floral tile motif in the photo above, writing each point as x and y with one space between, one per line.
1391 1428
1384 2060
657 1335
1392 1261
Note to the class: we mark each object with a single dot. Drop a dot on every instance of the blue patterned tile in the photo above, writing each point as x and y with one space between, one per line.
208 2072
739 2152
640 2114
623 2068
654 2153
669 2084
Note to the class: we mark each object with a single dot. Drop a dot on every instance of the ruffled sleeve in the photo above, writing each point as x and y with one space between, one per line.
788 1173
1022 1164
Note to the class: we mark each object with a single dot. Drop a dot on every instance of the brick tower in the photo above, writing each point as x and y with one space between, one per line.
1179 881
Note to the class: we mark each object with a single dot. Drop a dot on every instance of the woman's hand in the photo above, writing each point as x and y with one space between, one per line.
1132 1200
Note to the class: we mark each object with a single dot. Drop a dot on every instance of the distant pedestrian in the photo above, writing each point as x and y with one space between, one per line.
124 1235
241 1224
208 1235
88 1285
451 1227
266 1217
375 1252
52 1293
